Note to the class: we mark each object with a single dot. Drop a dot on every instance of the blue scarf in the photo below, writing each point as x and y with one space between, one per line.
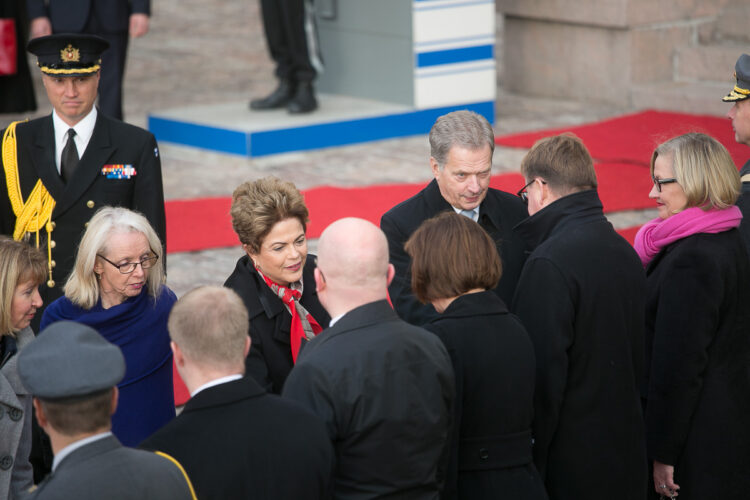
138 327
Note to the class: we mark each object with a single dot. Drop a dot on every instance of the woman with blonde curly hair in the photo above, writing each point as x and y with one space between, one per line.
275 277
117 287
697 320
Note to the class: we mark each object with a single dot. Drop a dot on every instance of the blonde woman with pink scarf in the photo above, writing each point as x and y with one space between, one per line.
697 388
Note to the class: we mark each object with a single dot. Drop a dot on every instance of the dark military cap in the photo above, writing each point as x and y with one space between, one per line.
68 54
741 89
69 360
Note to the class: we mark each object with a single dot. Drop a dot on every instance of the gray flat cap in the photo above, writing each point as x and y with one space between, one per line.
741 90
69 359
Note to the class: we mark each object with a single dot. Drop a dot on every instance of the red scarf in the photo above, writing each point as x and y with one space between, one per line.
304 325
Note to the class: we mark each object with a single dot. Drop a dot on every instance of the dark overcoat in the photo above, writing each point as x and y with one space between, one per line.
237 441
385 391
698 348
493 361
581 297
113 142
71 16
498 214
744 203
270 358
106 469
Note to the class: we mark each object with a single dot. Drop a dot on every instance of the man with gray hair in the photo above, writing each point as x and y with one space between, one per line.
235 440
461 147
383 387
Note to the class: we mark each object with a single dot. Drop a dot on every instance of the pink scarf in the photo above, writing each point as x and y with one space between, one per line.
658 233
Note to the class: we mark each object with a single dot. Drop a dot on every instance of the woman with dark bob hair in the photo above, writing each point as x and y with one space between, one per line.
275 277
117 287
22 269
697 399
455 266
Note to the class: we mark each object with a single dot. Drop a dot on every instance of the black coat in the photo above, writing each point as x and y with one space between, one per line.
71 16
113 142
744 203
270 358
385 390
698 342
498 213
493 361
236 441
581 298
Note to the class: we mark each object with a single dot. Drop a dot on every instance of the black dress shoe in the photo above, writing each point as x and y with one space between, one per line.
303 101
276 99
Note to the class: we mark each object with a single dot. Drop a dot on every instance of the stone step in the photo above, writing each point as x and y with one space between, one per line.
686 97
708 63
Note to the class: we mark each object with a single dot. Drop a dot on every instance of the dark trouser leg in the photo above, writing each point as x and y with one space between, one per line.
278 46
113 69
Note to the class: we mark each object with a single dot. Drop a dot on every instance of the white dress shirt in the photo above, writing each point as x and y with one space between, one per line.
84 130
74 446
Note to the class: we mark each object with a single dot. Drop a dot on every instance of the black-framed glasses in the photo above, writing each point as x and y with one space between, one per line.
129 267
658 182
522 192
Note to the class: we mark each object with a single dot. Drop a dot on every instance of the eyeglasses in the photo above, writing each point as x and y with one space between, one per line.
522 192
658 182
129 267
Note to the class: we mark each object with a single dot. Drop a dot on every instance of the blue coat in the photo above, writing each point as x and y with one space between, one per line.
138 327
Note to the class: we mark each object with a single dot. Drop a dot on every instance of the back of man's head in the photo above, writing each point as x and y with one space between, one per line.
353 259
210 326
563 162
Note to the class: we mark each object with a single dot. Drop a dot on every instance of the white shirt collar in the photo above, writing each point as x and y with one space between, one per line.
84 130
74 446
216 381
334 320
474 217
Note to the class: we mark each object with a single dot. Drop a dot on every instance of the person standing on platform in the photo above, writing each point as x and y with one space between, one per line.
461 147
739 113
293 43
384 388
581 296
59 169
260 434
112 20
72 372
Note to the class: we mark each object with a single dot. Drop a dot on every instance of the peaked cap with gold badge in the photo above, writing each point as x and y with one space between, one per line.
68 54
741 90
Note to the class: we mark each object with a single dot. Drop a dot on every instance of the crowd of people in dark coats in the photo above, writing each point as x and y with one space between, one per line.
476 345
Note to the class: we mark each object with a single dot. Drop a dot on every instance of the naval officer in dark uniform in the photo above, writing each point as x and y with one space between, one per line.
59 169
739 113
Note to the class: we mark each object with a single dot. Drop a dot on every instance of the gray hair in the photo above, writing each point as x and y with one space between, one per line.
82 287
463 128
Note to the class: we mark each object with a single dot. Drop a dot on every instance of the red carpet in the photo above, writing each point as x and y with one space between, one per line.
632 138
205 223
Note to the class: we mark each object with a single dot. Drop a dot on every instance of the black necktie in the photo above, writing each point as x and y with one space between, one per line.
69 159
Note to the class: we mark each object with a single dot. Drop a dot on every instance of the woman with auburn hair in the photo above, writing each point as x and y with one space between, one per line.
117 287
22 270
275 277
697 321
455 266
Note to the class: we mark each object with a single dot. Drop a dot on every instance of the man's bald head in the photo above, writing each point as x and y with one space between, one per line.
353 254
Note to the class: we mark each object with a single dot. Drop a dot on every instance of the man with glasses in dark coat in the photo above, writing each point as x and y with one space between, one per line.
581 297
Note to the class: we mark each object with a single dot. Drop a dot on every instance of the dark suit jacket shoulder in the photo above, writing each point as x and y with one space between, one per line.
385 390
106 469
270 358
498 214
236 441
71 16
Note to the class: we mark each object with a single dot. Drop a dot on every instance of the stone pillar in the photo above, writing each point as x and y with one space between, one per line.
597 50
